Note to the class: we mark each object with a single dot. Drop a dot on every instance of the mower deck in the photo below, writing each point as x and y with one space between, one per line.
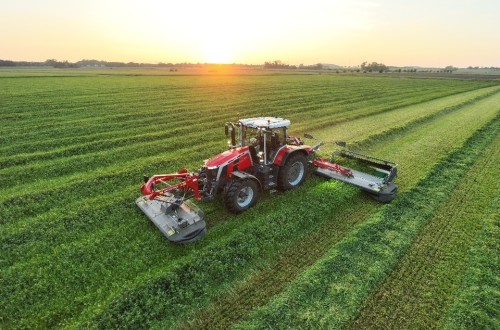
180 222
375 186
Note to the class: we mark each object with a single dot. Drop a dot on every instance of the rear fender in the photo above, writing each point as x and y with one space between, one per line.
285 152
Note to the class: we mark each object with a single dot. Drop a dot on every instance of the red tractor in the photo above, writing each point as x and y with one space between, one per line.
262 156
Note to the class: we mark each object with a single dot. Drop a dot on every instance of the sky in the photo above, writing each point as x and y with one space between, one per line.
428 33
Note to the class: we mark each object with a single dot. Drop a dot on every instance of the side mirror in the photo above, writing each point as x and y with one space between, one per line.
309 136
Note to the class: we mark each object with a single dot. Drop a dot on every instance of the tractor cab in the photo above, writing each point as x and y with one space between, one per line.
264 136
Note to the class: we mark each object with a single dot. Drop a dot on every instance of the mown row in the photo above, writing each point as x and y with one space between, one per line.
328 294
259 287
444 142
418 297
73 153
226 310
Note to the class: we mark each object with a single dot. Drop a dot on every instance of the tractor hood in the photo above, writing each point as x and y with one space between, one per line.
225 157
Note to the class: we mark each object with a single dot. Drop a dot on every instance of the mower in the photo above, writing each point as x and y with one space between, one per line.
261 157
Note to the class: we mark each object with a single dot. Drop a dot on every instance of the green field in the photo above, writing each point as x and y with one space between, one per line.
78 253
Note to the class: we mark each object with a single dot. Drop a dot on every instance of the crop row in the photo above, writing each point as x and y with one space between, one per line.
418 296
330 293
88 185
425 143
259 286
81 244
313 202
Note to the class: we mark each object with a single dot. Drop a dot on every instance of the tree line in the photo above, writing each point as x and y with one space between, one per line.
276 64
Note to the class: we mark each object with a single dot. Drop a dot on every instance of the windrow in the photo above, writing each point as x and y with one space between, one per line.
418 297
330 293
424 150
80 251
204 294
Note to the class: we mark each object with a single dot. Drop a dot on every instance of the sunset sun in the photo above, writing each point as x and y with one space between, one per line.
217 53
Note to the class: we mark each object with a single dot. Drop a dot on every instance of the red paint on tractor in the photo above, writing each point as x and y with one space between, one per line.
226 156
287 149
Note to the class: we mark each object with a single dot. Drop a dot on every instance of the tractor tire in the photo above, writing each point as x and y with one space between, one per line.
293 173
241 195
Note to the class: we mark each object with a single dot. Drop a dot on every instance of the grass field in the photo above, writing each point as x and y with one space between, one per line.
77 252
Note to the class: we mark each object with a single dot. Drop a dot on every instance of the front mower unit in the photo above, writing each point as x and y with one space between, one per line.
180 221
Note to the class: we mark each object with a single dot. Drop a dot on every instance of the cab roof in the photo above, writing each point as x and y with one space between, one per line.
265 122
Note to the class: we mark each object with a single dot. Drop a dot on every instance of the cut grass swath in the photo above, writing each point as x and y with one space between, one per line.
444 136
225 310
329 294
477 301
417 297
73 237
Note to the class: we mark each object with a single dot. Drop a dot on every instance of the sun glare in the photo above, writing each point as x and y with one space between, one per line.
225 31
217 53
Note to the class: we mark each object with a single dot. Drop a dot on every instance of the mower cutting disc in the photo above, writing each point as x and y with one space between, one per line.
181 222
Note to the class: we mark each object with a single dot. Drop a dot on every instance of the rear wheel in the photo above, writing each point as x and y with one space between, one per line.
293 173
241 195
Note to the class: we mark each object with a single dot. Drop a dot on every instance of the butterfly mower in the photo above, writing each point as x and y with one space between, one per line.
261 156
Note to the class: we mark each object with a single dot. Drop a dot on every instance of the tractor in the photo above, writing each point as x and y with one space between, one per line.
261 157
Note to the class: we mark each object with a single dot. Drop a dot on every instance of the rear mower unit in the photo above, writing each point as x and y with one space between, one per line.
261 156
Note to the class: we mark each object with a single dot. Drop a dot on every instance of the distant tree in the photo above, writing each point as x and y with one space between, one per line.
60 64
51 62
450 68
374 66
7 63
277 64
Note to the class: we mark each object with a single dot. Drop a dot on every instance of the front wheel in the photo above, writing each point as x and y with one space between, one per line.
241 195
293 173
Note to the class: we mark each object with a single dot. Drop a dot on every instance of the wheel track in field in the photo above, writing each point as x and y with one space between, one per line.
272 279
440 251
243 290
